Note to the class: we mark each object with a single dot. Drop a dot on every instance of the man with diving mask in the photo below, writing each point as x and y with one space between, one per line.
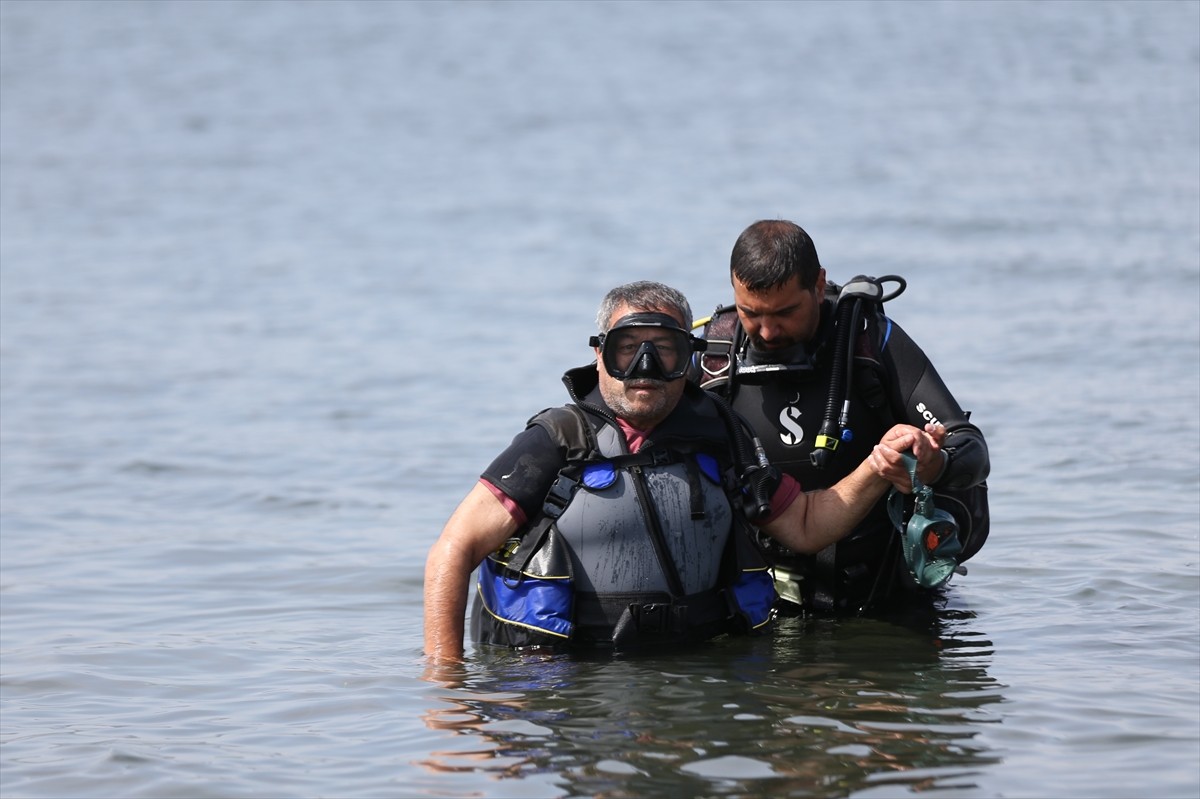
621 520
645 353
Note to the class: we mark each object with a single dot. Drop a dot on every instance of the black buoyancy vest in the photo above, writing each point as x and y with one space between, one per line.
785 407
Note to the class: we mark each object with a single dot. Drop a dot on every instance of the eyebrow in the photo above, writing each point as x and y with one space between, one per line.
777 312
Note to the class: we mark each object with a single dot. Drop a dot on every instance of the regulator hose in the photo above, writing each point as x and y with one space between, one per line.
758 477
828 437
847 318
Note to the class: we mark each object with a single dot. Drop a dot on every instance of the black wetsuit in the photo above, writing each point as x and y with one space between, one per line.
893 382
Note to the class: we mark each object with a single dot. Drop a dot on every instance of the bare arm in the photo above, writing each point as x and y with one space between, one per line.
478 526
817 519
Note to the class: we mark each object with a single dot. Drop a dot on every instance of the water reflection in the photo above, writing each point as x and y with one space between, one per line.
822 706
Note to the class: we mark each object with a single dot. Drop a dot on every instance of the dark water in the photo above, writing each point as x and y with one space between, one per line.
278 279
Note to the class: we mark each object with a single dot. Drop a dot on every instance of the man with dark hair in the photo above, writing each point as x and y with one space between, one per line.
622 519
819 373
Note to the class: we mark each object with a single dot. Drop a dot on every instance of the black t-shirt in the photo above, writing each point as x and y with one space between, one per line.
527 468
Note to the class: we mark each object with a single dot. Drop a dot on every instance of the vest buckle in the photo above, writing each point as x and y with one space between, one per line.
660 617
559 496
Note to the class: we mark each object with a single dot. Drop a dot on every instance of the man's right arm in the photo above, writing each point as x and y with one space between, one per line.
480 524
510 489
816 519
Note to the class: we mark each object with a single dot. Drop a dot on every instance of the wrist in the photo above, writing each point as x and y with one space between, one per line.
941 469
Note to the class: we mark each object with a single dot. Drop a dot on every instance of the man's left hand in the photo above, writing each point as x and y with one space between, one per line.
887 456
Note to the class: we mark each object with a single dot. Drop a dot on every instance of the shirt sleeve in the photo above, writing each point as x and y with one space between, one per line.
525 471
784 496
509 504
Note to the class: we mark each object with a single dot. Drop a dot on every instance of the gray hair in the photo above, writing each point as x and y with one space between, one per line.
644 295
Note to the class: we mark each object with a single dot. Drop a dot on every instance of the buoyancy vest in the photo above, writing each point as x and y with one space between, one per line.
629 549
785 406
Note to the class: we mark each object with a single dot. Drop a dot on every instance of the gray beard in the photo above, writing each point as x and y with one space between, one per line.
617 404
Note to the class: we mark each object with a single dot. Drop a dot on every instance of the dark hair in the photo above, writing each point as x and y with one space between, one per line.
644 295
771 252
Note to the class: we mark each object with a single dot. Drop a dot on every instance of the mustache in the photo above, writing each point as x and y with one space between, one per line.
777 344
645 382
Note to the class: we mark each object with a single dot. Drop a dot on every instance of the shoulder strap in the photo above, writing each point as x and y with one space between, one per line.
570 428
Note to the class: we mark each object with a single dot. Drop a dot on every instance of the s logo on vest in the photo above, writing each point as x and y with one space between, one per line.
788 418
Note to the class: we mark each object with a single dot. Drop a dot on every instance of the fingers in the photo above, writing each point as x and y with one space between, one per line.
888 463
925 445
901 437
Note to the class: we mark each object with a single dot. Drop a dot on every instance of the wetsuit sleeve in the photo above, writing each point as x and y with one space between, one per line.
919 396
526 469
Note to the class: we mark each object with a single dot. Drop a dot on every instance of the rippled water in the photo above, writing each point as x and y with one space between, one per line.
278 279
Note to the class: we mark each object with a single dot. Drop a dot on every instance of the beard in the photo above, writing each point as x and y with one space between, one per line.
790 352
641 412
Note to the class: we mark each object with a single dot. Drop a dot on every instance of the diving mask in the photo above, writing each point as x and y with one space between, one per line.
929 540
647 346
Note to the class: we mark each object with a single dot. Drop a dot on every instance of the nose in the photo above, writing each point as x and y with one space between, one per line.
768 331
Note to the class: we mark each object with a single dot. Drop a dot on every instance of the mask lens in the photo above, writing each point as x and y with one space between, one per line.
671 348
621 347
624 348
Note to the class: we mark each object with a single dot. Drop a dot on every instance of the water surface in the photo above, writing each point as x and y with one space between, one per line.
277 280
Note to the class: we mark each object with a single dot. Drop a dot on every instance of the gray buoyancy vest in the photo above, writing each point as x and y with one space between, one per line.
606 526
629 548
